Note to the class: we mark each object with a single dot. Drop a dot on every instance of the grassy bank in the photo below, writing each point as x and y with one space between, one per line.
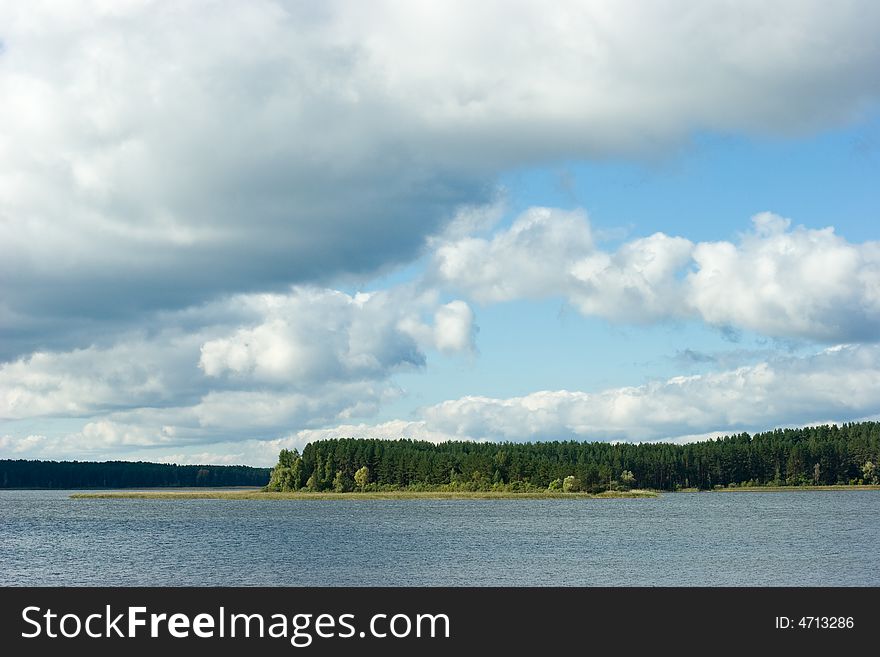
790 489
780 489
392 495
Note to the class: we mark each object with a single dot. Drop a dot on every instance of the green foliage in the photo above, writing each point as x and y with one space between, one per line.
340 483
361 477
571 484
287 474
277 478
125 474
815 455
288 457
870 474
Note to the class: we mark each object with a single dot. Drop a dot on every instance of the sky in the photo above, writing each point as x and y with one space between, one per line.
228 228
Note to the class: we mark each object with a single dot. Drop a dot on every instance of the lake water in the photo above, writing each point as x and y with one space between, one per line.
732 539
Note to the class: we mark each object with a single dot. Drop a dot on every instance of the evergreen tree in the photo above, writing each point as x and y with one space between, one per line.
812 455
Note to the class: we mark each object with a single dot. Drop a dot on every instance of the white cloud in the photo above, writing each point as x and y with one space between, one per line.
297 342
639 282
157 154
250 366
837 382
785 282
104 434
841 382
471 220
454 327
99 438
311 336
530 259
259 365
265 452
15 447
391 430
844 381
162 165
249 411
133 372
548 252
779 281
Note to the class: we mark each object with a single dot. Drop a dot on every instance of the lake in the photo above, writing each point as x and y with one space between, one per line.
808 538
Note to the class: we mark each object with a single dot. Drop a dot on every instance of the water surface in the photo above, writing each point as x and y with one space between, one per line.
732 539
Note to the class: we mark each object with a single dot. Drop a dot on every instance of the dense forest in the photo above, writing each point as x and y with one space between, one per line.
124 474
821 455
785 457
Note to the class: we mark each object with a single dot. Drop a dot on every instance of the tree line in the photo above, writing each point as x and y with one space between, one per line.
124 474
820 455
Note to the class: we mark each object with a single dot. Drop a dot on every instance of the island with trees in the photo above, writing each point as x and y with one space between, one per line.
813 456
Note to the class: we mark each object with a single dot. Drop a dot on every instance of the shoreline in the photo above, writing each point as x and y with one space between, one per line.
257 494
783 489
389 495
133 489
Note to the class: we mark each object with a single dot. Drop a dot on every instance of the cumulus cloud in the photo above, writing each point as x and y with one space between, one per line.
454 327
530 259
550 252
779 281
82 382
102 437
786 282
250 366
639 282
157 154
842 381
249 411
181 185
314 335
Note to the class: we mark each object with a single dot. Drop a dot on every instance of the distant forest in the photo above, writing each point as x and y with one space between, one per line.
124 474
821 455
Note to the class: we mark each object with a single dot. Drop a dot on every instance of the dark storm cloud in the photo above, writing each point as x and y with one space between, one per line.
155 156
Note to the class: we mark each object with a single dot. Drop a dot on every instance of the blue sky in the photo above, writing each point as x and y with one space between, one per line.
707 190
228 228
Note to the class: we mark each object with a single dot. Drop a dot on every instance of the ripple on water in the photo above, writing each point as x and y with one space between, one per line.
822 538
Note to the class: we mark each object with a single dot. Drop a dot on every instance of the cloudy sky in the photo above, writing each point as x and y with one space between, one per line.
230 227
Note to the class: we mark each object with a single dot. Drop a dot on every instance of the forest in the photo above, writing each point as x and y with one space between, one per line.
824 455
821 455
124 474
